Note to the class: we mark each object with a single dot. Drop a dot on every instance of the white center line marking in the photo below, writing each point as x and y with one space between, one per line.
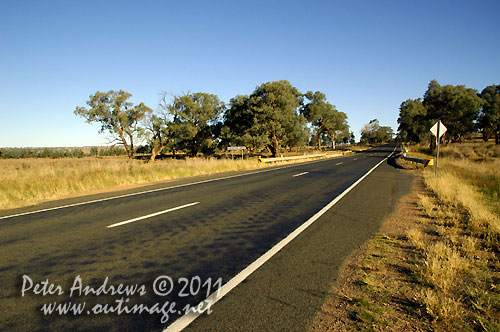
338 164
303 173
151 215
355 159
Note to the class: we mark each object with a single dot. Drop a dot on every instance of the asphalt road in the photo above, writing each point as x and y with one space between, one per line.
198 232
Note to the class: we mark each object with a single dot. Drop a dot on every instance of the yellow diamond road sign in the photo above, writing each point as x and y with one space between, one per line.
441 131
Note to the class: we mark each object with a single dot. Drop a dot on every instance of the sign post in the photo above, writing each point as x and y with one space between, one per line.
438 130
236 148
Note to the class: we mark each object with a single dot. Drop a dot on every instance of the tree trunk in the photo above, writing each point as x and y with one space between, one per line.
155 150
194 150
131 156
275 146
485 135
319 141
130 152
269 148
497 137
432 145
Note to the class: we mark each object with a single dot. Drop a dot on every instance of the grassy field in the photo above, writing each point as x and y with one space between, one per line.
25 182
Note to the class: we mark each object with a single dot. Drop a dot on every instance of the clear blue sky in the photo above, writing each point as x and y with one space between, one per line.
366 56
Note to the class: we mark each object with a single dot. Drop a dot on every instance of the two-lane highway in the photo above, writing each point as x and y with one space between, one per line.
200 231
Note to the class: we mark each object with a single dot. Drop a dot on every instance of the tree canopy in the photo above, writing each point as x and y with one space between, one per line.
374 133
195 121
275 105
324 117
272 117
489 118
413 123
116 115
456 106
462 110
266 118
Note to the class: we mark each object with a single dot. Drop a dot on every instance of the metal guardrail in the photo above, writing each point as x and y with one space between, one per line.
425 162
307 156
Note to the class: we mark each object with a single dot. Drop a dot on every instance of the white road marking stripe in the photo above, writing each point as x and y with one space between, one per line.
151 215
303 173
355 159
188 318
161 189
338 164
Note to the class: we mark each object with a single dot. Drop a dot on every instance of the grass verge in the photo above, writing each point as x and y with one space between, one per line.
435 265
25 182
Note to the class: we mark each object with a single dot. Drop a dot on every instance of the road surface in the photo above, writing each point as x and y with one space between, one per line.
159 249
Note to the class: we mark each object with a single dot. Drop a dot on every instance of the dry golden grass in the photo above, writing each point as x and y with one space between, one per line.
443 308
29 181
458 265
440 266
471 151
25 182
455 190
416 238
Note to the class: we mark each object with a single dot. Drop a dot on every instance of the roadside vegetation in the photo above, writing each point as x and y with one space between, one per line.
435 266
275 116
187 135
458 264
25 182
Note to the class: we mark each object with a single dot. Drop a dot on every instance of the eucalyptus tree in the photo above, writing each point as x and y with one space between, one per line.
275 107
413 122
489 118
195 124
117 116
267 118
373 132
456 106
325 118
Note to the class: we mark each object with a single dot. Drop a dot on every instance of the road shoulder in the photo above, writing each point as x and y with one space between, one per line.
286 293
375 289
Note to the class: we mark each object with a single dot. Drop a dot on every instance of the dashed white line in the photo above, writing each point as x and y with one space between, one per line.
339 163
355 159
152 215
188 318
159 189
303 173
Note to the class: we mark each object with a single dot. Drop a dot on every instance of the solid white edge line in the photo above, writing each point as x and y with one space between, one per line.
161 189
303 173
151 215
182 322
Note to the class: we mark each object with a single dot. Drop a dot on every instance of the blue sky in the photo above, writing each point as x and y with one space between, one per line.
366 56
